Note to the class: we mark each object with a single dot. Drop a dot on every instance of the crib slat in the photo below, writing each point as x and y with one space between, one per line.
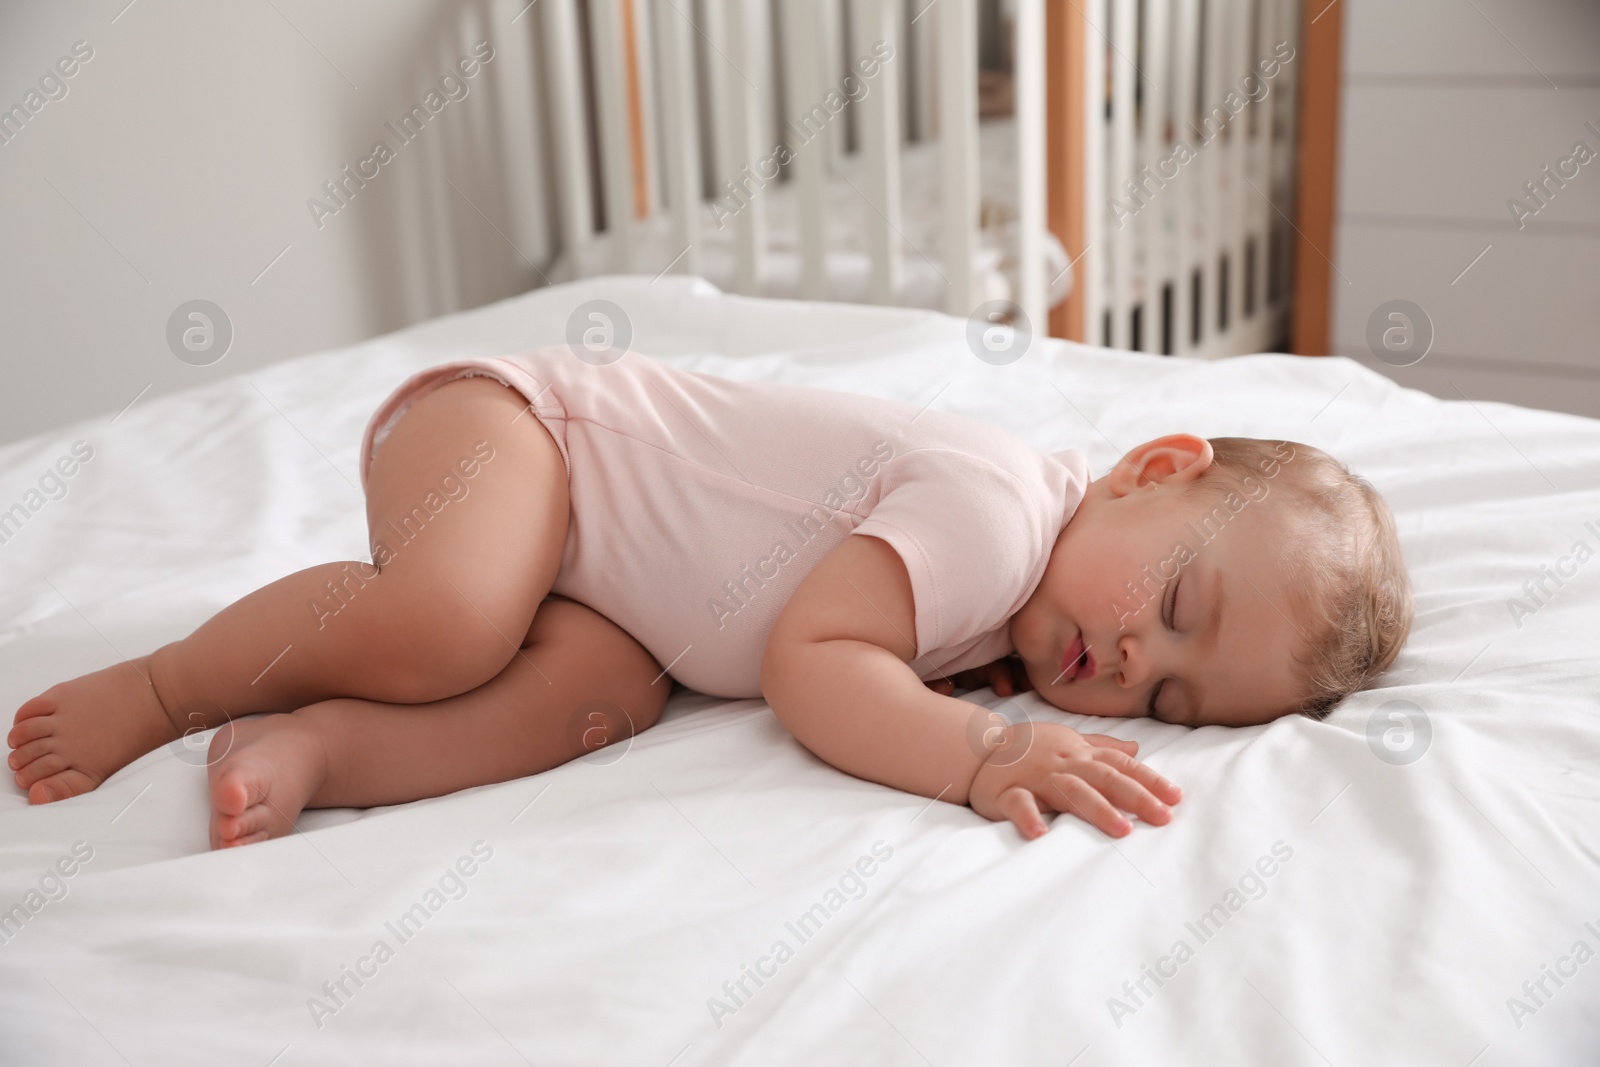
681 148
874 21
444 255
645 107
1286 91
923 44
520 133
1239 60
1223 184
1272 161
904 65
1124 231
762 71
1211 172
1029 51
1185 193
740 189
806 135
466 149
958 150
616 156
1278 162
831 42
719 79
1095 272
1154 231
561 56
1261 213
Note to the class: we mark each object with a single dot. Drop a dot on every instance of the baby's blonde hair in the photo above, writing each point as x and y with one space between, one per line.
1355 608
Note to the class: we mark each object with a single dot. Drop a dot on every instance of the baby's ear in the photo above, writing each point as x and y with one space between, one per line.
1177 459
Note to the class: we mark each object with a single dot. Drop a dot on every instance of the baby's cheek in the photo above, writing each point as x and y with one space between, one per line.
1078 597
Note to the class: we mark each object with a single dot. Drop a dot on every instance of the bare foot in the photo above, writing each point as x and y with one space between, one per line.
273 766
75 735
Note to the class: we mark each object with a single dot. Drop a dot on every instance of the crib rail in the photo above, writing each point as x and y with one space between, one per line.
621 120
750 88
1189 148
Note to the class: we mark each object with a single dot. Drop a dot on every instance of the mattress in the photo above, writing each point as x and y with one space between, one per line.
1413 881
996 262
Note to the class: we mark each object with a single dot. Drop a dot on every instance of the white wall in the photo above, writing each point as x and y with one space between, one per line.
1448 108
179 164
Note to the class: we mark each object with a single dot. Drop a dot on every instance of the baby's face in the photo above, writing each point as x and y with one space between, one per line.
1165 603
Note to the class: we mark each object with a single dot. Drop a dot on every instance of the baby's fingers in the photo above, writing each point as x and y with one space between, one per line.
1019 805
1144 774
1000 678
1083 800
1130 748
1126 792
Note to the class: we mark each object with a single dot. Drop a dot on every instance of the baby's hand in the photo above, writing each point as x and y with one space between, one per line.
1048 765
1005 676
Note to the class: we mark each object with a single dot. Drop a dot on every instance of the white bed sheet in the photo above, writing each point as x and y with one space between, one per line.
621 895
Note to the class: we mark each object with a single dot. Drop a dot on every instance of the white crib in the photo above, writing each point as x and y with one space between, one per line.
1188 257
640 136
810 98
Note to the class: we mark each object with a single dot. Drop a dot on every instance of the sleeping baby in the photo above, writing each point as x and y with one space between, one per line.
558 540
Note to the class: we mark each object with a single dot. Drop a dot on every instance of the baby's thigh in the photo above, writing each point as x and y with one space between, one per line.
589 658
468 480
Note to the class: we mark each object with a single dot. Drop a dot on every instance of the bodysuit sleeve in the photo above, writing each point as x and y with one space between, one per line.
973 536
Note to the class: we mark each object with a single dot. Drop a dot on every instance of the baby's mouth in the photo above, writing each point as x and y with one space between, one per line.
1076 662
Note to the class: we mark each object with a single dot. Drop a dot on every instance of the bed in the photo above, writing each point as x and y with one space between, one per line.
1405 883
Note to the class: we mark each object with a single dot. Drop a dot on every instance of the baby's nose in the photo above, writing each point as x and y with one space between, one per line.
1131 668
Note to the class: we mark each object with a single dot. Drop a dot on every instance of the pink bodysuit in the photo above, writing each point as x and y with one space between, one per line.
698 504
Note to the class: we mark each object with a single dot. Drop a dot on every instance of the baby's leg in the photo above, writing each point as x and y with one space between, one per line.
579 682
440 617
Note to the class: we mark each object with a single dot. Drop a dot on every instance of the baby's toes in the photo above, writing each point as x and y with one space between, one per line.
69 783
255 824
43 704
30 729
25 754
50 763
237 789
235 842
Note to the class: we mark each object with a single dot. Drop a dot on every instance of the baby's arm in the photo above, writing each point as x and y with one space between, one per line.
836 671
